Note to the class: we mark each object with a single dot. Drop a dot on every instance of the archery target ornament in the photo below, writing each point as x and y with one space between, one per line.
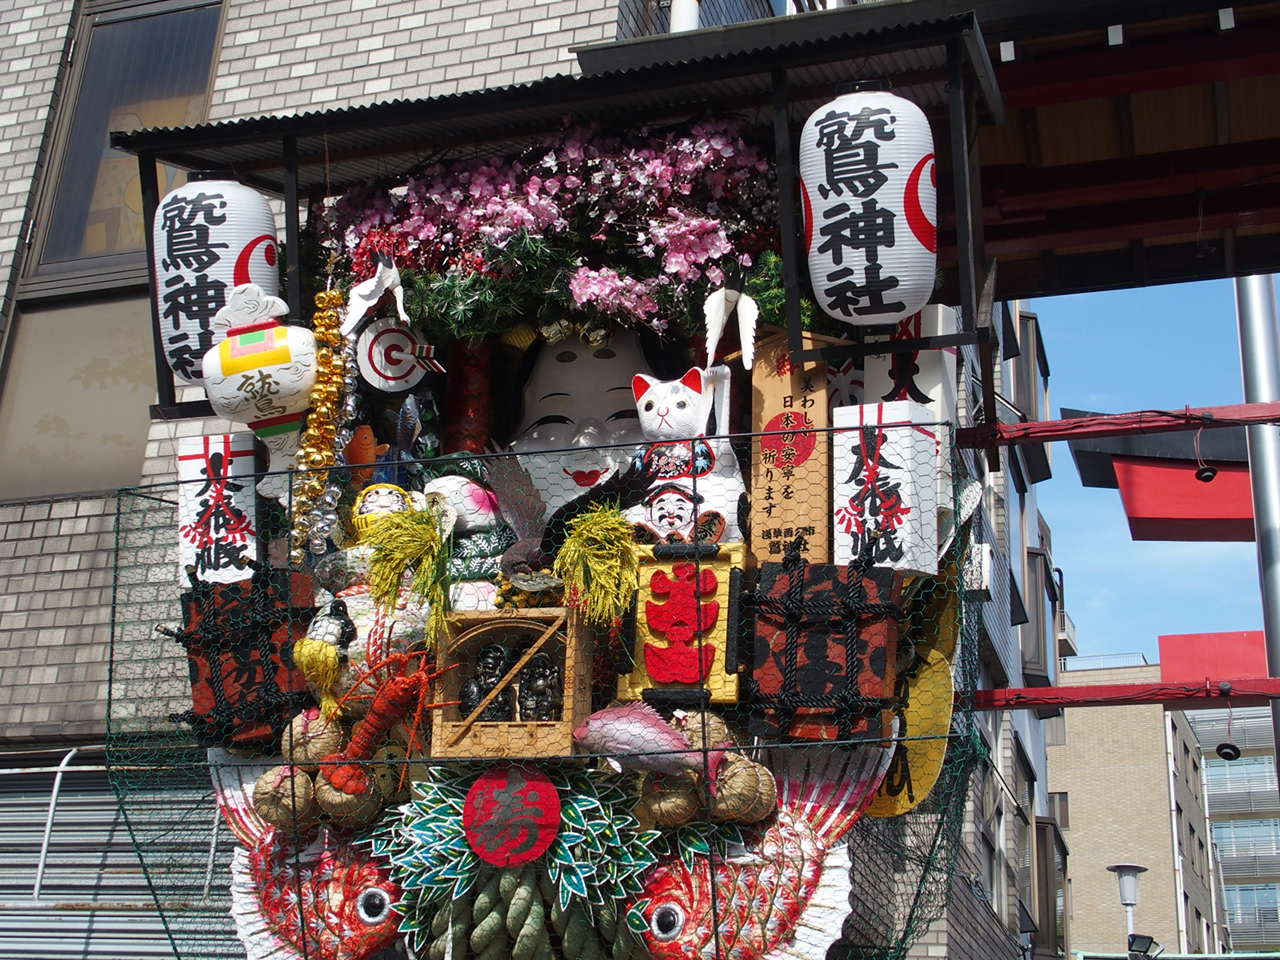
868 181
511 815
392 357
210 236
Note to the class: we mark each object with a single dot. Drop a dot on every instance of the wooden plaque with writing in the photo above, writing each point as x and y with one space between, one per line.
791 466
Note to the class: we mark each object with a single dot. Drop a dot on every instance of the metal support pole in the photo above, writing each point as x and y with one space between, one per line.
292 231
1260 365
48 822
1128 917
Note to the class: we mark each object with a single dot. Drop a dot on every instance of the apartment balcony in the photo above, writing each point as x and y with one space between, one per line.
1255 794
1257 929
1249 867
1102 661
1249 728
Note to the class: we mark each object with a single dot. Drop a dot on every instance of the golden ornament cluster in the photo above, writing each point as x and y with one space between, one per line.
318 451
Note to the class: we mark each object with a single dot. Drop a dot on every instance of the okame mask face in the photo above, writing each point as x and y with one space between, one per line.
578 400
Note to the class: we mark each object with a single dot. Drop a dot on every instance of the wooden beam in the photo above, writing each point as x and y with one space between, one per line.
1171 61
1013 189
1118 425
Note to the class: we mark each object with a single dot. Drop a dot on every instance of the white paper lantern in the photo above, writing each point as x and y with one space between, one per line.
869 187
210 237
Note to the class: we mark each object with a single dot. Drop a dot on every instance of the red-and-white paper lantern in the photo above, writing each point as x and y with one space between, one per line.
869 186
210 237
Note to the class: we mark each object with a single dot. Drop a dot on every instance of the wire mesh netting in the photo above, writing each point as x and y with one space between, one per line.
705 697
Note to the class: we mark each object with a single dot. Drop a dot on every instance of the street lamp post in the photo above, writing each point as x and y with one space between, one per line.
1127 874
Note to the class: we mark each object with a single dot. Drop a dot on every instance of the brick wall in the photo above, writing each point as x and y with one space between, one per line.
279 59
1114 769
55 617
34 37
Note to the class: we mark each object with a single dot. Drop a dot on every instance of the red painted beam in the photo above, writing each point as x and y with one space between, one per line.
1173 61
1118 425
1205 695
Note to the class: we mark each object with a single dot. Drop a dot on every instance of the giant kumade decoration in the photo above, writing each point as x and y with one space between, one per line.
869 186
210 236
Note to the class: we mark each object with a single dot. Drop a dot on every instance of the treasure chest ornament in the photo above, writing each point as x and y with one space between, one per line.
686 615
826 645
244 686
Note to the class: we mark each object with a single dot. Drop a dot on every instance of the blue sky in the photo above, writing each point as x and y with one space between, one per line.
1162 347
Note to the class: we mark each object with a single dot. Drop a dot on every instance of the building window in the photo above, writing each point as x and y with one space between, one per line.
140 66
1252 902
1247 773
1246 838
1055 731
1060 810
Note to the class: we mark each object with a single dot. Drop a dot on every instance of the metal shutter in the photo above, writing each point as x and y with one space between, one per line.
94 899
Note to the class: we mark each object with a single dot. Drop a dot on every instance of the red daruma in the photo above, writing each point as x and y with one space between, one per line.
869 187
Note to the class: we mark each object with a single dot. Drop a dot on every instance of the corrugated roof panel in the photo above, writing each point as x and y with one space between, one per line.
820 52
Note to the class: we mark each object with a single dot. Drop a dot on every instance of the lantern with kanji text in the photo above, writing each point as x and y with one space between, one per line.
868 183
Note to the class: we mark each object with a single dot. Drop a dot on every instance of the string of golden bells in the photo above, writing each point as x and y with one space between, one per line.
318 451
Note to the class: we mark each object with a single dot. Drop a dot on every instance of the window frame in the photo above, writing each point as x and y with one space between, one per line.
90 275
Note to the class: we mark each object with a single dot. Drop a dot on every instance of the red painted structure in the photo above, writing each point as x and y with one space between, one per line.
1164 501
1190 657
1192 666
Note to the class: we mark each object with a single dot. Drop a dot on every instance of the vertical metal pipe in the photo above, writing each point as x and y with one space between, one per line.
292 229
1260 366
48 822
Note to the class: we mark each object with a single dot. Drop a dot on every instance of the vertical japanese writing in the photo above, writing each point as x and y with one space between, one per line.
220 530
876 509
855 229
190 295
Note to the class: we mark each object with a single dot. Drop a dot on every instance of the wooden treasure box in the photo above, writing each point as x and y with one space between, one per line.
524 633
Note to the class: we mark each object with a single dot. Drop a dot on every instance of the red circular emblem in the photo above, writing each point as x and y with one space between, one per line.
511 815
789 449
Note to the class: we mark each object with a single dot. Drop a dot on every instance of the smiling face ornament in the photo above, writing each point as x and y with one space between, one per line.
577 403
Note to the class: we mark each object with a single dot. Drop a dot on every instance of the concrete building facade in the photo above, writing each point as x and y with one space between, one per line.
1128 785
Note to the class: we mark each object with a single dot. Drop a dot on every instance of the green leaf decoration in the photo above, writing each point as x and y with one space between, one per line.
600 854
636 922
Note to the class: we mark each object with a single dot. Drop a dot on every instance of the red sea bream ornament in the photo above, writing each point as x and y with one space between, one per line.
869 186
512 815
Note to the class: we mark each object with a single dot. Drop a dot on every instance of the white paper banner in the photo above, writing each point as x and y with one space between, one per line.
886 478
215 507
